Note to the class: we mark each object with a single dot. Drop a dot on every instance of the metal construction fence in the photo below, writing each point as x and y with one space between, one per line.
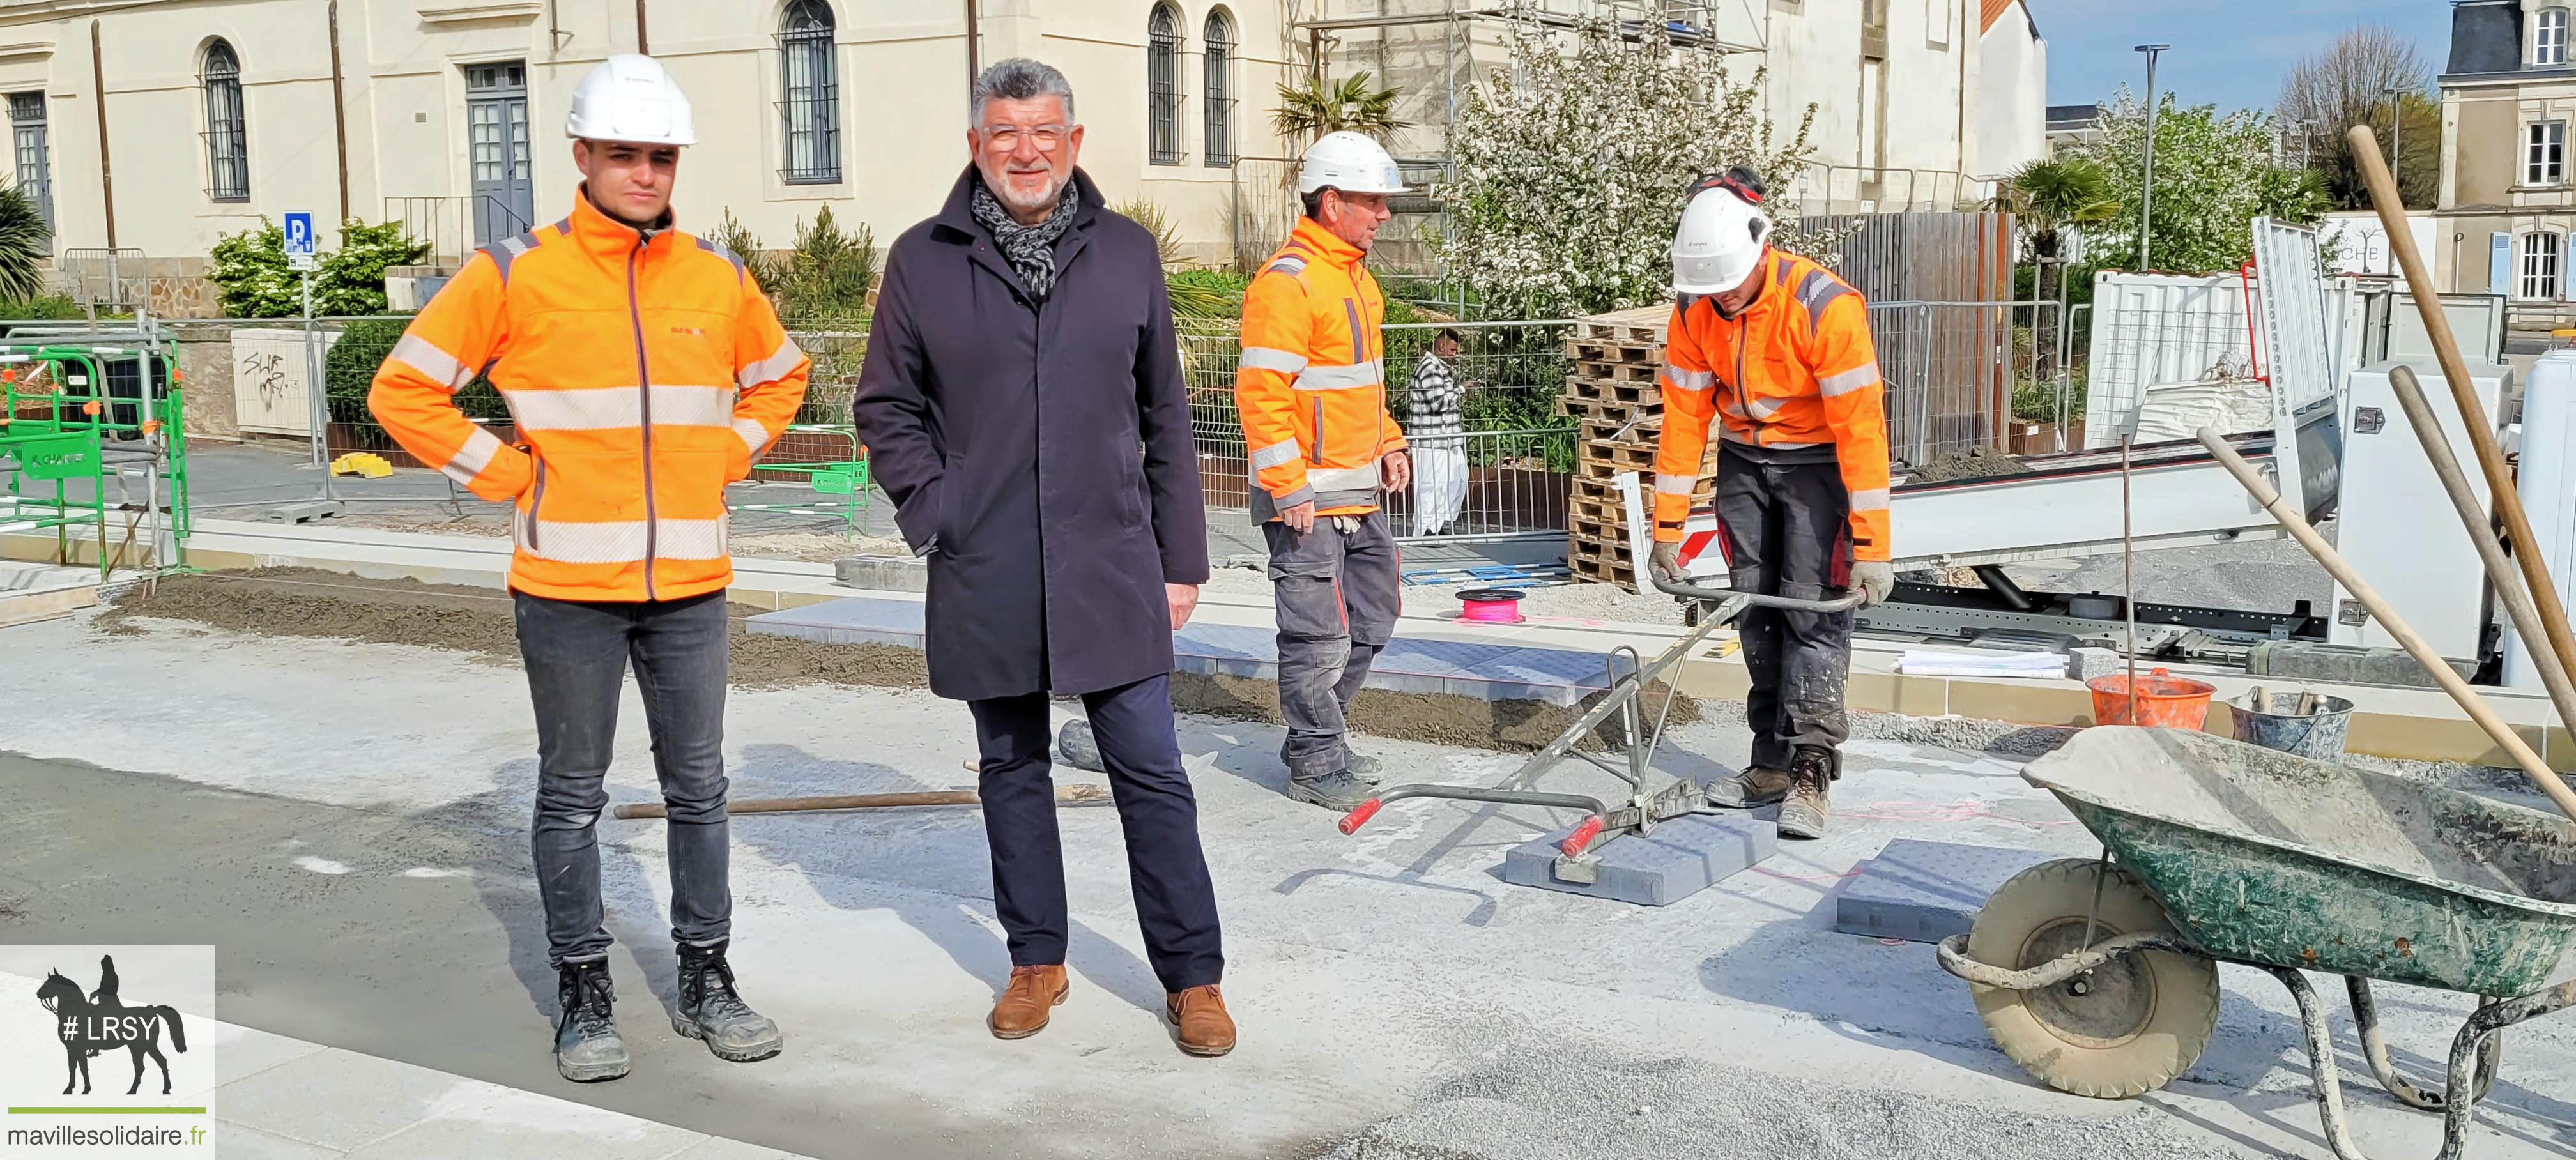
1960 375
1506 477
1965 375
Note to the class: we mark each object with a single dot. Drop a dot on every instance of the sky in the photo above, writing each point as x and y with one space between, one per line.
2230 53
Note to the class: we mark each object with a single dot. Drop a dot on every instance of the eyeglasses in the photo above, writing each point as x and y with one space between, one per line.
1005 138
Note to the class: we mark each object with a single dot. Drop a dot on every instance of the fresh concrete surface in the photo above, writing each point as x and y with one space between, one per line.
280 1098
346 824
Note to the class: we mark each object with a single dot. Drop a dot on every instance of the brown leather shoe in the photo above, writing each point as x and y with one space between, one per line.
1199 1013
1029 1001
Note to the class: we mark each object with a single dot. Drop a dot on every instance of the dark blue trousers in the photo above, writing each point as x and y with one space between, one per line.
1175 901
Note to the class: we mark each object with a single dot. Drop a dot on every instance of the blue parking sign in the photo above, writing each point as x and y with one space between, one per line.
300 241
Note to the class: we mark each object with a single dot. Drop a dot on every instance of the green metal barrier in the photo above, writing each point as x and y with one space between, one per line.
66 422
840 477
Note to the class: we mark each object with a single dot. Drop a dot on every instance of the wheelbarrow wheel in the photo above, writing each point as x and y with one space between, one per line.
2120 1030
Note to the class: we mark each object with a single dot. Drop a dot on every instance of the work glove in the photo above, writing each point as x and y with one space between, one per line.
1666 561
1876 579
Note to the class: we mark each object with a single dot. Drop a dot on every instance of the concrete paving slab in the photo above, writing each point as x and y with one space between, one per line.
242 1052
339 1100
1926 891
1410 664
1680 858
497 1123
240 1143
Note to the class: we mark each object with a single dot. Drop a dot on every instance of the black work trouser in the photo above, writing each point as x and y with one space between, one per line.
577 653
1166 869
1786 531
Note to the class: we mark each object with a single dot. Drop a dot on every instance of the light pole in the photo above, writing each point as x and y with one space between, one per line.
2397 140
2147 188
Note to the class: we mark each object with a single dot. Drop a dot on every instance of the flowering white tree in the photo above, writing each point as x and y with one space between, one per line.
1572 168
2215 172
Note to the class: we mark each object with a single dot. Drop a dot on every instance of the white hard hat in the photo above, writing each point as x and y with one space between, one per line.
1349 162
629 97
1719 242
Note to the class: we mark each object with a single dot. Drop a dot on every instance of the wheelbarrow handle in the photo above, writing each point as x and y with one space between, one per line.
1844 602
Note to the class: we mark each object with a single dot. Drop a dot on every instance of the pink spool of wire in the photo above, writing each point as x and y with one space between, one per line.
1492 605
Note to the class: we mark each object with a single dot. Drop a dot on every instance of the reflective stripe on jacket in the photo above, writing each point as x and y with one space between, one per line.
1793 370
643 372
1311 389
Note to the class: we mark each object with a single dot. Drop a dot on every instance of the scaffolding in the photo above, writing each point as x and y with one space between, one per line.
1430 51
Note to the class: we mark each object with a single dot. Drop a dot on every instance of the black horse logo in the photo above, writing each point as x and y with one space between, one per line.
90 1024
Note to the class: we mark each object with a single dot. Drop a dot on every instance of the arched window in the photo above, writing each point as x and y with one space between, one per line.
2549 36
227 127
809 93
1163 84
2541 250
1219 89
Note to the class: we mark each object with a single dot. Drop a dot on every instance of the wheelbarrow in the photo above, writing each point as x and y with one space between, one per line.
2100 977
1650 799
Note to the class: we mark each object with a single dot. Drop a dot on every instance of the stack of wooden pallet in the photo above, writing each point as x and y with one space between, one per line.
1612 393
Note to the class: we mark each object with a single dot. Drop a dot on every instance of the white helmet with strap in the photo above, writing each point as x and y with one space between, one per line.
630 97
1722 234
1349 162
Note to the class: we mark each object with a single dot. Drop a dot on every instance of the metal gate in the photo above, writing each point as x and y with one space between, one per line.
496 119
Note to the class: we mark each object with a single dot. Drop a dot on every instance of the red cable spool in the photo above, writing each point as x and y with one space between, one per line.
1492 605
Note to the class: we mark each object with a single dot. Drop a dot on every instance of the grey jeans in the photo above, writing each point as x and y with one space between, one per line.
1336 597
576 654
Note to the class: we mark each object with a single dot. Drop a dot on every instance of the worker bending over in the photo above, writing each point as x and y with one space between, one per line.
1772 352
644 371
1312 393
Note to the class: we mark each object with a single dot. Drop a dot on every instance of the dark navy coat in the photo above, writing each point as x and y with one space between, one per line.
1040 452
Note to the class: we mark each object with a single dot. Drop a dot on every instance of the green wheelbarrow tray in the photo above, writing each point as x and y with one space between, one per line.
2219 850
2261 857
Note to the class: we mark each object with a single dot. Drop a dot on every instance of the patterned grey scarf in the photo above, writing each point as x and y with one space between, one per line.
1030 249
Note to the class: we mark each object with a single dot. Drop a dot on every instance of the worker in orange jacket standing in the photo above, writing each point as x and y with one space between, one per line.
1772 352
1311 390
644 371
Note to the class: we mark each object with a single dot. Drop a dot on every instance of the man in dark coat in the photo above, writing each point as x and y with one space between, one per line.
1022 403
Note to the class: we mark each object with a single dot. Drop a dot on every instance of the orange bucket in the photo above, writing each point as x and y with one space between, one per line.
2163 699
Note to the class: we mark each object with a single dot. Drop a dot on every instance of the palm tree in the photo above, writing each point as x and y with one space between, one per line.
25 243
2051 195
1315 108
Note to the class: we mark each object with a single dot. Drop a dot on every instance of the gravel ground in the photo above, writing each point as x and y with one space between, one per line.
809 547
1579 1105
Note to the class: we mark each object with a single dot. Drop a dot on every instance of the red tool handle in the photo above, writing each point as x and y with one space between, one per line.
1359 815
1574 843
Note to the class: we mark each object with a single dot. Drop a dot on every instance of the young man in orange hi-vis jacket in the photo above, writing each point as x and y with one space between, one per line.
644 371
1773 352
1312 393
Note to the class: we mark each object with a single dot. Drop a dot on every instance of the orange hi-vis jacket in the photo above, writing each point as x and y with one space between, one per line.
1311 388
1794 370
644 371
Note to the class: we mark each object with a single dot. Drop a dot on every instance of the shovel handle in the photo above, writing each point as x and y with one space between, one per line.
1360 814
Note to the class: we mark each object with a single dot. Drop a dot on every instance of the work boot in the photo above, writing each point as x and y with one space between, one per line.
1811 775
1757 786
711 1010
587 1046
1029 1001
1363 767
1339 790
1202 1026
